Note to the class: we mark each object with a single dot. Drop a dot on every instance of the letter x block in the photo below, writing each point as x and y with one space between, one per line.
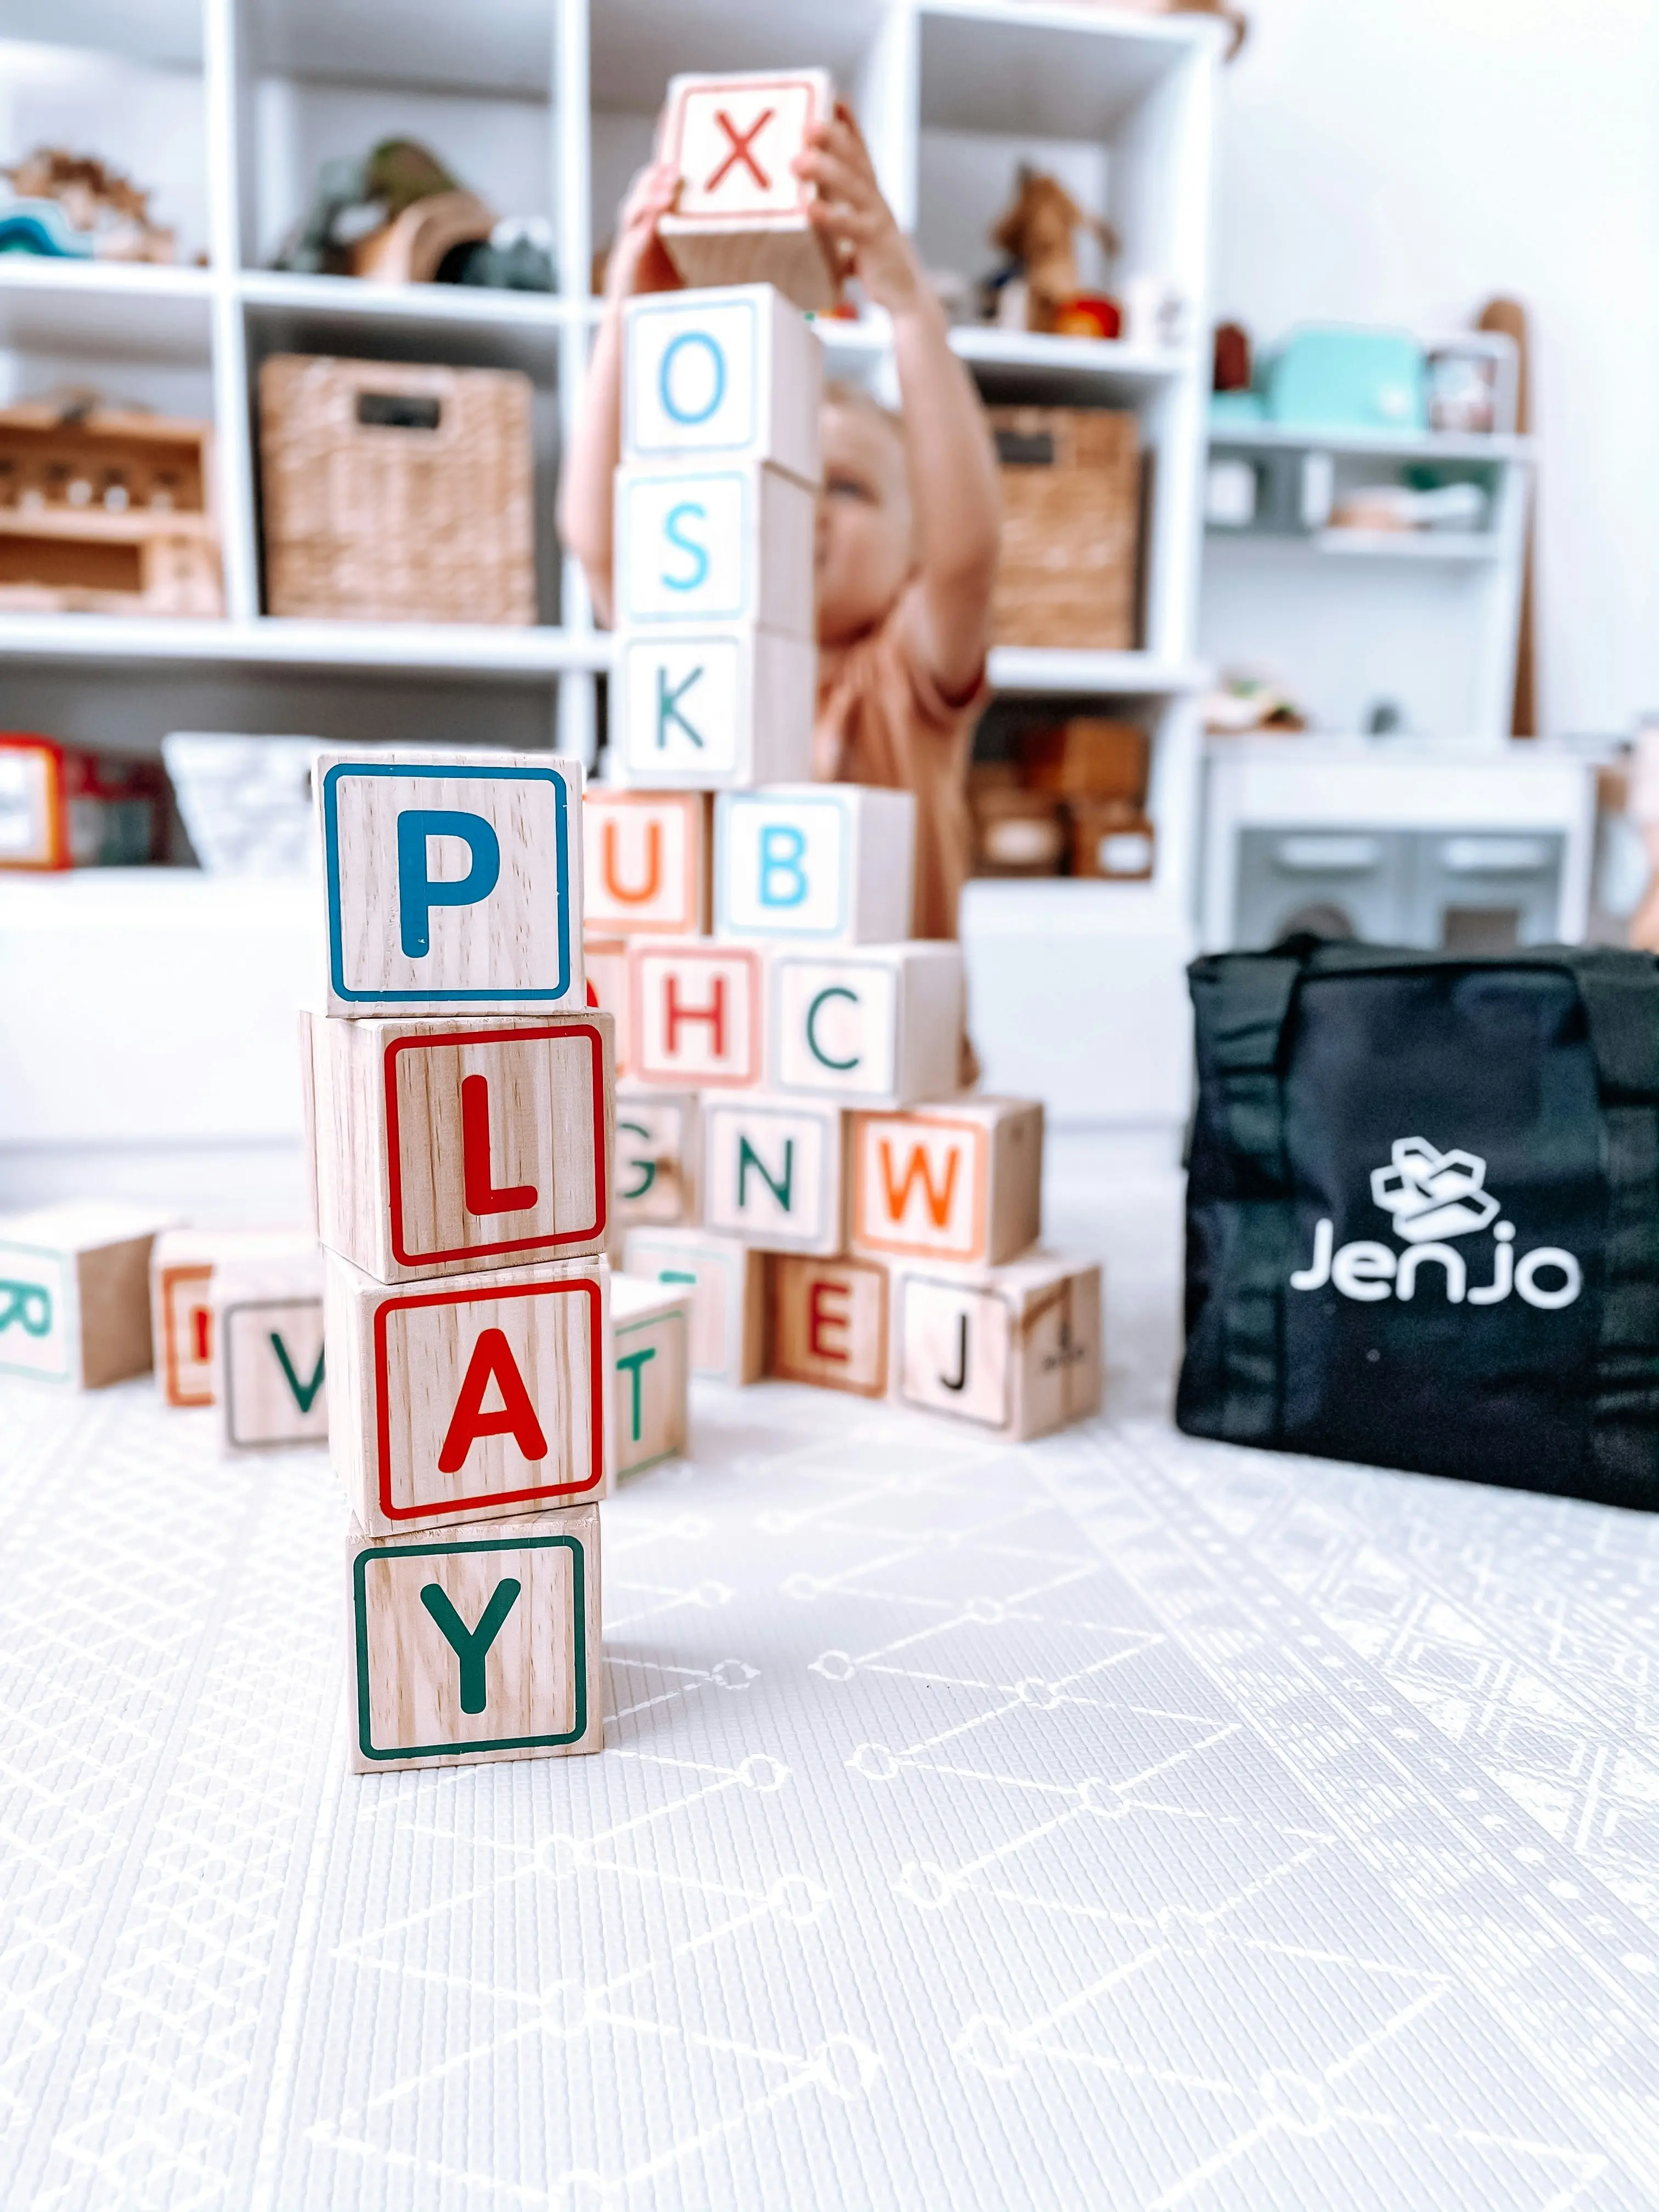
695 1014
453 881
647 859
741 214
446 1146
469 1400
75 1292
737 371
657 1157
268 1351
723 542
1016 1348
651 1363
827 1323
181 1268
468 1645
815 863
727 1281
715 706
961 1182
774 1172
880 1025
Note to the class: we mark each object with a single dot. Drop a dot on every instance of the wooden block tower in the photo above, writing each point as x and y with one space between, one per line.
462 1101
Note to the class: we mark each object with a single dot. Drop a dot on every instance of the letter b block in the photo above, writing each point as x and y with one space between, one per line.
824 863
453 883
773 1173
473 1646
827 1323
693 1014
1017 1348
717 707
739 372
961 1182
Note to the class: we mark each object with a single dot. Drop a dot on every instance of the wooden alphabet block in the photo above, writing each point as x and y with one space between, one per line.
657 1157
470 1400
1015 1348
472 1645
647 860
728 1304
453 883
880 1026
713 709
774 1172
695 1014
181 1267
75 1292
268 1351
741 214
651 1364
726 542
606 959
962 1182
737 371
448 1146
827 1323
825 863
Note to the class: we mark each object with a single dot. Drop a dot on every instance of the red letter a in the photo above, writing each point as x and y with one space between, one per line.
492 1356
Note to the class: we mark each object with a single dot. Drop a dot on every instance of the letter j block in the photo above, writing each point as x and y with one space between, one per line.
453 882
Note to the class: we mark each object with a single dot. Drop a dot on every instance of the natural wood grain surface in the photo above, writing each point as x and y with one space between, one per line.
741 213
827 1323
815 863
713 707
182 1262
657 1155
961 1180
1016 1348
646 862
695 1014
650 1367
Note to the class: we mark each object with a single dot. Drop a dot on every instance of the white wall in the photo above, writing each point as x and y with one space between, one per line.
1401 161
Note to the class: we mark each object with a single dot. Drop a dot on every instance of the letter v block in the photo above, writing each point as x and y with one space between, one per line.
815 863
741 214
713 707
695 1014
475 1645
448 1146
470 1400
647 859
827 1323
267 1348
961 1182
1015 1348
182 1265
877 1025
452 882
773 1173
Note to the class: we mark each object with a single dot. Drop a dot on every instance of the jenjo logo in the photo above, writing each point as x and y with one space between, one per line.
1432 1197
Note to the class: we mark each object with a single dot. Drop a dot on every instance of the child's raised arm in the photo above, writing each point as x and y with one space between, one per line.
638 263
952 467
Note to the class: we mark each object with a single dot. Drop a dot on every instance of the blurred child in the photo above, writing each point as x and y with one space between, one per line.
907 521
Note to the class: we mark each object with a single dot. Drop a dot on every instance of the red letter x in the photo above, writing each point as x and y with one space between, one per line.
742 143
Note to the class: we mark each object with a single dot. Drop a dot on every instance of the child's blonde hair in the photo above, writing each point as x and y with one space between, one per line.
858 398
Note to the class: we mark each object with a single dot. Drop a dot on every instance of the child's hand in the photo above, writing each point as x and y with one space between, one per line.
851 214
639 260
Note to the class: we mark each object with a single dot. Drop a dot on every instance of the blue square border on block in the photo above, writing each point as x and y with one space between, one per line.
432 772
360 1641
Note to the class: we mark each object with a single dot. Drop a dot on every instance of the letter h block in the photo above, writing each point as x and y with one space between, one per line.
695 1014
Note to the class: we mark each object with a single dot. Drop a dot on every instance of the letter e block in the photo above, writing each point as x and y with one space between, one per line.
731 542
961 1182
646 862
657 1153
738 372
651 1362
268 1351
695 1014
880 1027
467 1647
713 709
828 1323
1016 1348
824 863
453 883
726 1280
774 1172
742 214
75 1292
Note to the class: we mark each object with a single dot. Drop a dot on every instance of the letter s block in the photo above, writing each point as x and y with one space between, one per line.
646 860
729 541
1015 1348
815 863
961 1182
452 884
774 1172
713 709
695 1014
737 371
474 1645
878 1026
827 1323
75 1292
468 1401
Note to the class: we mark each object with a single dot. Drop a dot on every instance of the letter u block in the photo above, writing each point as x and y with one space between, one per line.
448 1146
647 859
469 1400
468 1645
878 1026
827 864
1015 1348
695 1014
452 884
960 1181
737 373
774 1172
715 706
827 1323
268 1351
657 1157
75 1292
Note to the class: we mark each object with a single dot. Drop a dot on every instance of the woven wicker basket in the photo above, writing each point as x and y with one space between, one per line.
395 493
1071 527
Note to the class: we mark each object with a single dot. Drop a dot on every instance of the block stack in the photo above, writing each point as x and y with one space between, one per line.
461 1099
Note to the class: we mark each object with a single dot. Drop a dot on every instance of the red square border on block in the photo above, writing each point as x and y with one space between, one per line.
583 1032
462 1294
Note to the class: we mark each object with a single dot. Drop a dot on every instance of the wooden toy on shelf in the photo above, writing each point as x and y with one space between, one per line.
651 1365
774 1172
1037 231
1015 1348
181 1270
727 1281
825 863
741 214
268 1351
868 1026
63 807
695 1014
827 1323
74 1292
961 1180
646 862
657 1155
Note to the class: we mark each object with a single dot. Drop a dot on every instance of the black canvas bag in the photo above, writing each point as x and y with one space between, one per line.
1423 1212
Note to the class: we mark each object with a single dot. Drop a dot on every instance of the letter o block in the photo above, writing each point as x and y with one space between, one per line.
737 371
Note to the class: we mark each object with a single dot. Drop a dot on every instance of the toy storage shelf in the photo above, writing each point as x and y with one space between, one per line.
1402 445
1033 671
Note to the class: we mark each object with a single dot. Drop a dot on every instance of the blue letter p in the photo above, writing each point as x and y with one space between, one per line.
417 894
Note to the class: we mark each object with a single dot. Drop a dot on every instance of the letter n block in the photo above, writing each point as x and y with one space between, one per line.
75 1292
727 1283
714 707
470 1400
880 1025
1015 1348
774 1172
695 1013
454 883
828 864
961 1182
657 1157
472 1645
741 214
268 1351
647 859
737 372
448 1146
651 1362
827 1323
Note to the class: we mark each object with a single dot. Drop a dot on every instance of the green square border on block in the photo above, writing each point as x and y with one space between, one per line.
631 1328
360 1624
65 1273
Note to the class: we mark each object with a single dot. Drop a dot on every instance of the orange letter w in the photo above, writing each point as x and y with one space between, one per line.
937 1201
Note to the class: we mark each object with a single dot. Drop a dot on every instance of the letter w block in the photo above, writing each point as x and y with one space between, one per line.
961 1182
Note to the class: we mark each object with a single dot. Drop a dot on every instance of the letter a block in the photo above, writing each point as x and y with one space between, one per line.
448 1146
453 883
657 1151
728 542
879 1027
715 707
75 1292
467 1647
828 1323
961 1182
741 212
646 862
824 863
470 1400
181 1269
1017 1348
695 1014
268 1350
736 373
728 1305
651 1361
774 1172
